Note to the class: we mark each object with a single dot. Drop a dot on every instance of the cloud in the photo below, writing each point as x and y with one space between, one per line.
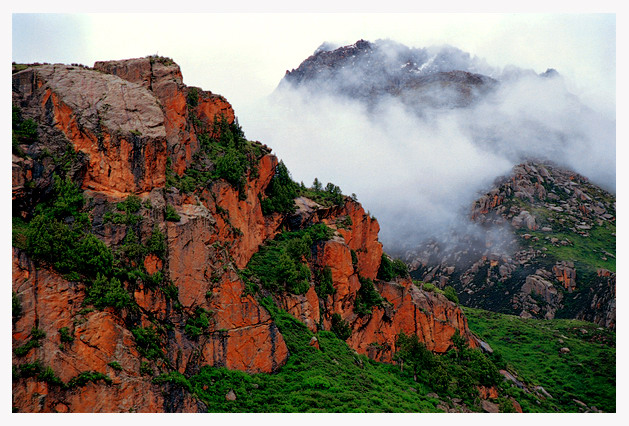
419 173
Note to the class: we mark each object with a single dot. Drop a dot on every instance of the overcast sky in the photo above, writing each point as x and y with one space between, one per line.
244 56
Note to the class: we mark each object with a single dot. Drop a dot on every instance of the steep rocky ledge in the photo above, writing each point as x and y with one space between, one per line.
131 135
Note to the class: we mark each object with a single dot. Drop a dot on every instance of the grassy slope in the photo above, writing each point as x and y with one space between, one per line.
588 250
333 379
531 347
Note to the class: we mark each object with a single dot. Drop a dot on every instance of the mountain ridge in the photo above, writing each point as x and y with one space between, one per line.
135 228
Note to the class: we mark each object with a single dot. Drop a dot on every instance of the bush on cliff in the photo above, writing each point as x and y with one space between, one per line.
280 265
391 269
281 192
329 196
367 297
340 327
105 292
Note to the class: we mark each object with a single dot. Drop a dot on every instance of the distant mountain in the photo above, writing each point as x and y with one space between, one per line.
541 242
554 257
437 77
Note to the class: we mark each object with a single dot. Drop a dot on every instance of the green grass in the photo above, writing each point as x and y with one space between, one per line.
531 347
333 379
587 250
337 379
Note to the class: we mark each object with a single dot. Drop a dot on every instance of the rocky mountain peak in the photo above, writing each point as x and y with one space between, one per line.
370 71
547 248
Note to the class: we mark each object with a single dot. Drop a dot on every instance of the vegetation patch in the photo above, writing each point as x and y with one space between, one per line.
367 297
148 341
23 131
334 378
328 196
281 192
224 153
281 264
34 342
198 324
391 269
532 348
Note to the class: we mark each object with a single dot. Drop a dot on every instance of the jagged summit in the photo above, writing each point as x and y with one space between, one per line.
437 76
369 71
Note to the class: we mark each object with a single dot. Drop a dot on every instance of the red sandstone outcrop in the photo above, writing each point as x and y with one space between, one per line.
164 79
118 125
124 121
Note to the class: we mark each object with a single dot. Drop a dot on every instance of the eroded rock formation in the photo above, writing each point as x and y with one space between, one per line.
128 133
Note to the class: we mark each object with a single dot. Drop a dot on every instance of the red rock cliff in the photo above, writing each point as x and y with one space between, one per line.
115 130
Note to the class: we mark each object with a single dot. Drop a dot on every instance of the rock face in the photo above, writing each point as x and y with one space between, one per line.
133 137
372 71
117 126
549 241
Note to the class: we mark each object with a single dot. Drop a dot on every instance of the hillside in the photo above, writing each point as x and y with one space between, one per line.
556 255
152 241
571 364
163 262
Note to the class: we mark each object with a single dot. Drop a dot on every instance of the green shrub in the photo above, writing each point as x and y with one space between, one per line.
157 243
33 342
86 377
340 327
171 214
115 365
30 369
132 249
22 131
148 342
174 378
324 285
280 265
391 269
106 291
232 166
354 258
281 192
154 280
171 291
329 196
366 297
93 257
428 287
67 201
48 375
192 99
132 204
450 293
146 369
65 336
50 240
198 324
414 353
334 194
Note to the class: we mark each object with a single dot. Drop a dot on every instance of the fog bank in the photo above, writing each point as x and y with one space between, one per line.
419 173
